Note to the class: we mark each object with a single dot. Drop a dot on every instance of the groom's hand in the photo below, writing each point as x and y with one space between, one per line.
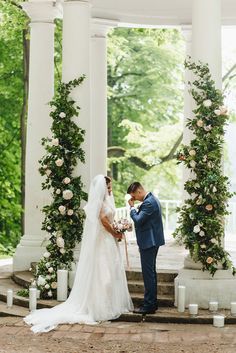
131 202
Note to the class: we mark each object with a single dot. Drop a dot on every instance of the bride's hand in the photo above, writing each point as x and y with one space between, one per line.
118 235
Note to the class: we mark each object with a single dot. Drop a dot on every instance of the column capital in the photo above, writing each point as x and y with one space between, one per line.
100 26
42 11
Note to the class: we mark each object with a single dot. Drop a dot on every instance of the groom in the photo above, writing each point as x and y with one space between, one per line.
149 233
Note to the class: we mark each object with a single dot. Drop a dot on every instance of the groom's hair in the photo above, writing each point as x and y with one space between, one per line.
134 186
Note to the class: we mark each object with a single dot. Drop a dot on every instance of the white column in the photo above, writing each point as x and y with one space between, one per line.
99 95
41 90
206 26
188 106
76 62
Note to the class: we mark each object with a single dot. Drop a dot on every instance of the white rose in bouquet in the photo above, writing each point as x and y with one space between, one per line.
60 242
200 123
41 281
62 115
66 180
70 212
47 286
48 172
62 209
59 162
50 269
58 191
50 293
62 251
192 164
46 254
192 153
67 194
196 229
207 103
55 142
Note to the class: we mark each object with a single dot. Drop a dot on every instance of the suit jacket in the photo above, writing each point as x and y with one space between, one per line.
148 223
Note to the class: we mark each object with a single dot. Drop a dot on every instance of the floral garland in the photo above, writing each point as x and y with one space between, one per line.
201 218
63 217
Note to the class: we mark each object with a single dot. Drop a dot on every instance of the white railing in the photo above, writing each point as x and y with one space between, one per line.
170 215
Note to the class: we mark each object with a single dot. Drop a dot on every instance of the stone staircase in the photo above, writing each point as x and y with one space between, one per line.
166 313
135 284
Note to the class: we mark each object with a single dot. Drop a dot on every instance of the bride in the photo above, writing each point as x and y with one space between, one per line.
100 289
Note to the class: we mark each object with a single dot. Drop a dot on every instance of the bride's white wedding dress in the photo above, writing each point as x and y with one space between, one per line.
100 290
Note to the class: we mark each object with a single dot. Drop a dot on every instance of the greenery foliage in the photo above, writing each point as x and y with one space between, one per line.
63 217
145 104
201 220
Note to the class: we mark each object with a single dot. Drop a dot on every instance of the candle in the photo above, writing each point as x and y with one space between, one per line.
62 284
233 308
181 299
213 306
38 294
71 278
9 298
32 299
193 309
218 321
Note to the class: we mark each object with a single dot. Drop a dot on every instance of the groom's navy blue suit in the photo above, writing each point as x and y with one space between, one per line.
150 235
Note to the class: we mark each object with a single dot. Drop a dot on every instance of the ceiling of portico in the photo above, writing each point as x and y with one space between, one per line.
155 12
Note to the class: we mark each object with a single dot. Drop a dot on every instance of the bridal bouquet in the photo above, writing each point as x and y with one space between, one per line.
122 225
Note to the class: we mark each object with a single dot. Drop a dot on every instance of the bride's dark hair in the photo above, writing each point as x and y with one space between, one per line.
108 179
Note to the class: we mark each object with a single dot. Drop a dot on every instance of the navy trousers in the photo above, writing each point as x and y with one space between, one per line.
148 263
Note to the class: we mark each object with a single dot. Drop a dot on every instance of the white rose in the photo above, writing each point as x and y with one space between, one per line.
197 185
207 127
199 123
214 241
192 153
196 229
62 115
70 212
191 216
60 242
50 269
48 264
48 277
67 194
203 246
58 191
48 172
55 142
66 180
49 228
46 254
217 112
62 251
53 108
46 286
192 164
62 209
41 281
214 189
207 103
202 233
223 110
45 166
54 285
210 164
50 293
59 162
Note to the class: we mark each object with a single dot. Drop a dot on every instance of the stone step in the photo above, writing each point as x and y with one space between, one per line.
163 300
15 310
163 287
162 275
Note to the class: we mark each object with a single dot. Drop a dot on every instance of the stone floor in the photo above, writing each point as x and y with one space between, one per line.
16 337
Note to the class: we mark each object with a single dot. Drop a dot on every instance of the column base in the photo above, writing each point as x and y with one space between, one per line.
201 287
30 249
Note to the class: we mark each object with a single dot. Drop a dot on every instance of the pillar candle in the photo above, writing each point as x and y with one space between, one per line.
213 306
193 309
181 299
32 299
62 285
9 298
218 321
233 308
38 294
71 278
